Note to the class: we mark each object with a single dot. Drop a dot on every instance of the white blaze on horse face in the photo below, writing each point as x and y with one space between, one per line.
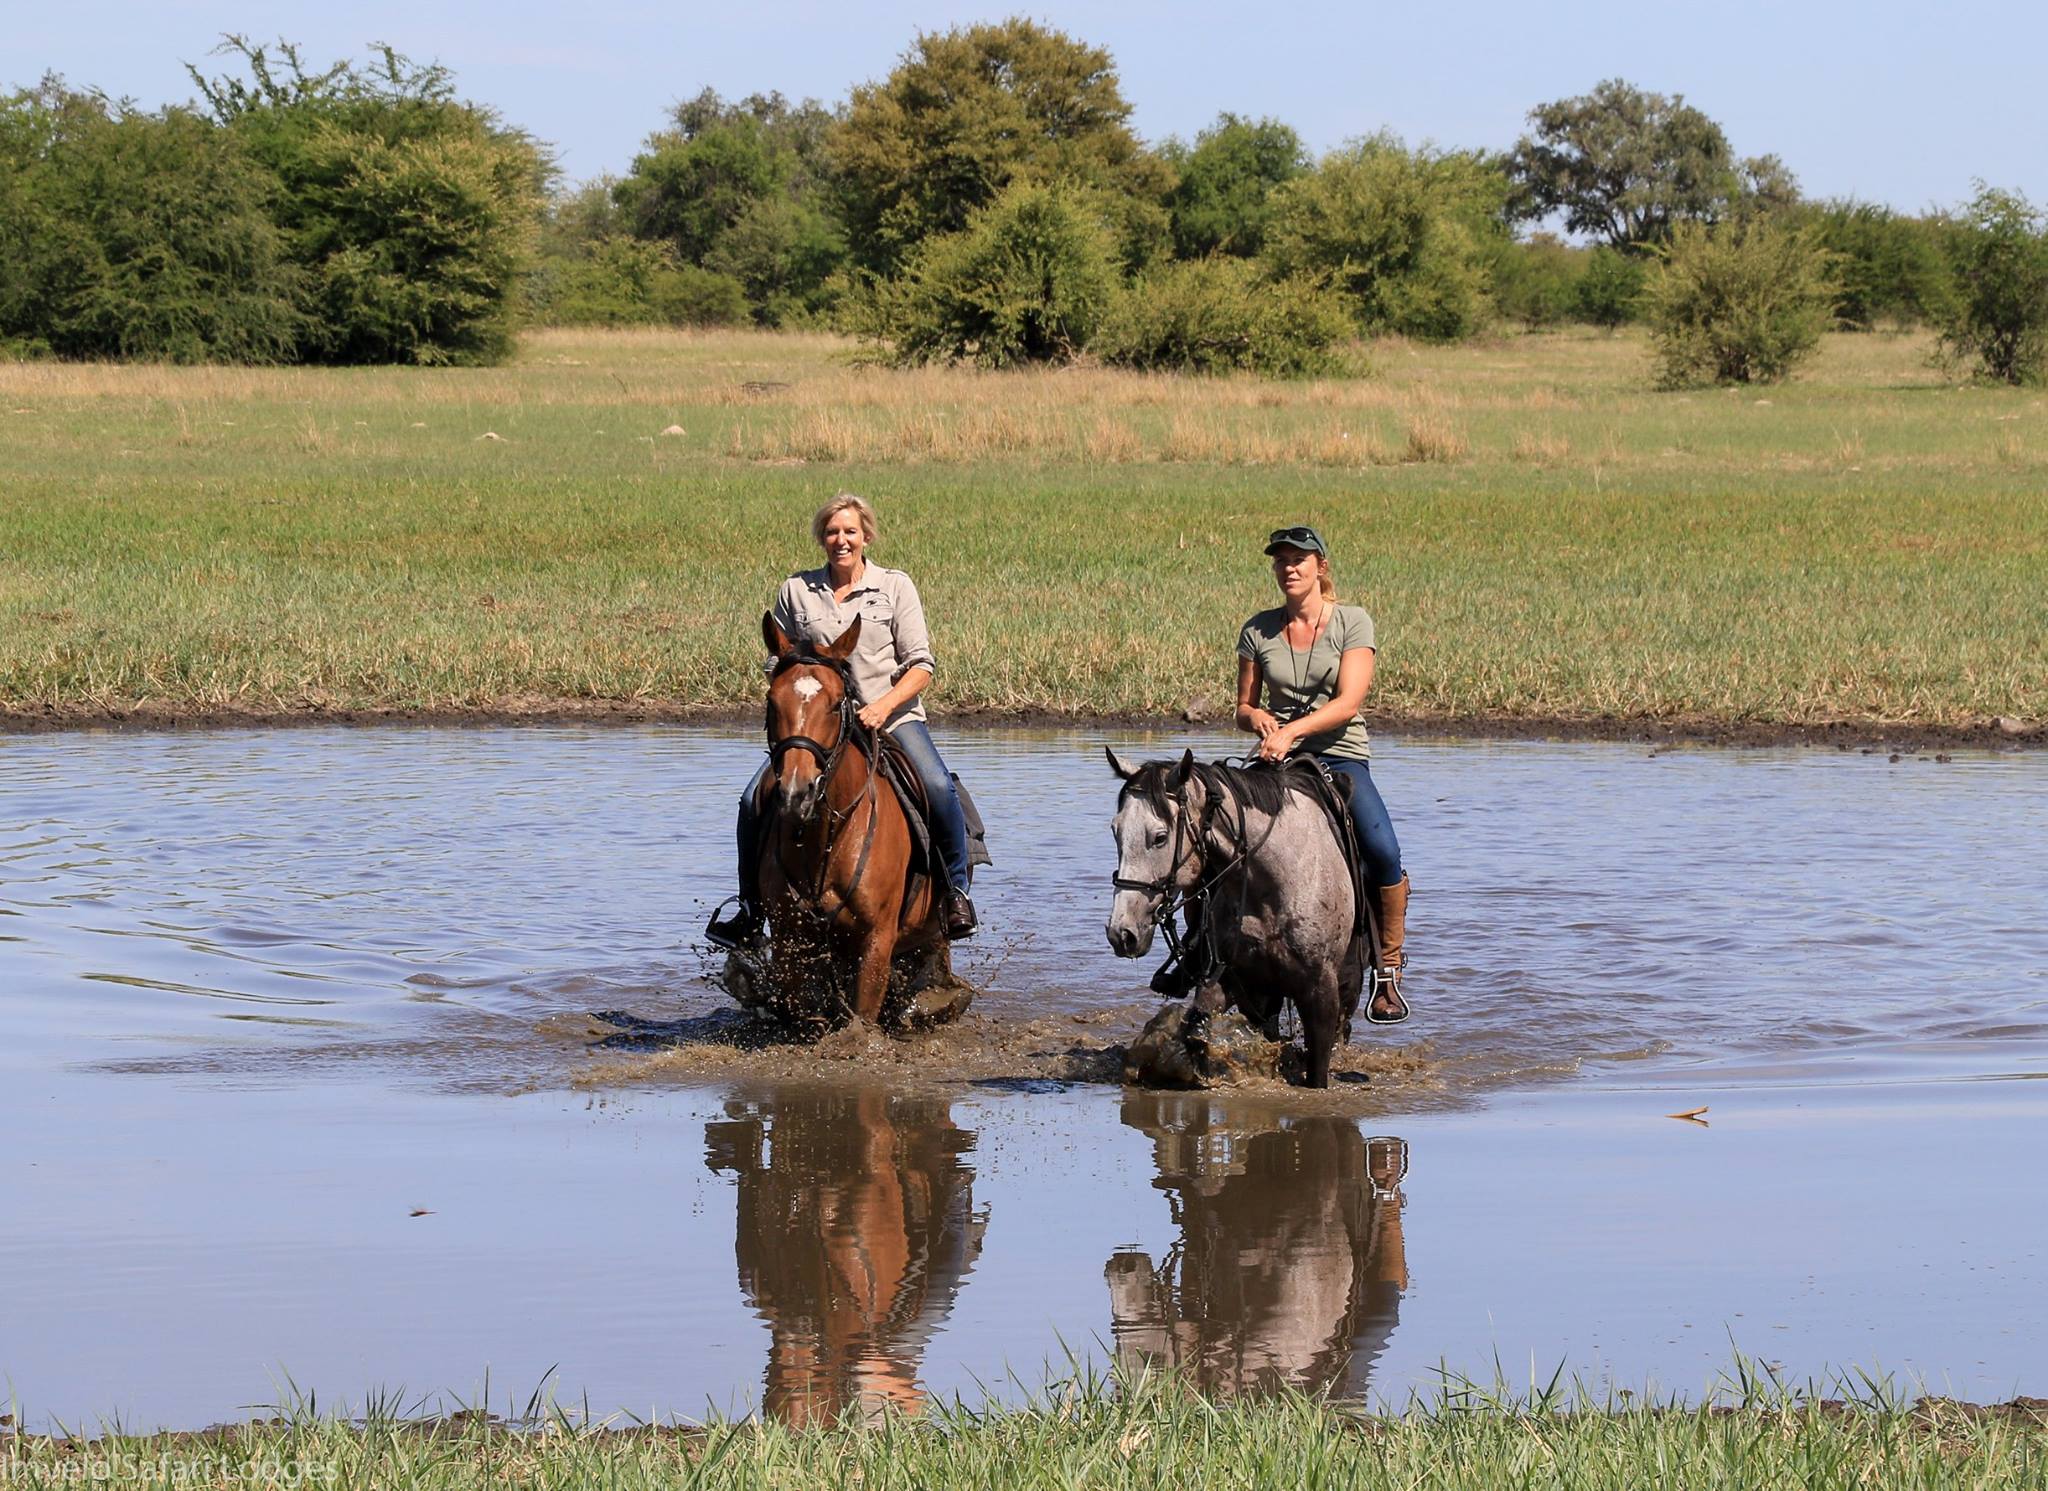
807 689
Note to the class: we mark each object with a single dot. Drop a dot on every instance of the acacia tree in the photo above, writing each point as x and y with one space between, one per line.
1625 166
968 111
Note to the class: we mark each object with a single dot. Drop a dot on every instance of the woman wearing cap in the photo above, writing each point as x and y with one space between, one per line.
891 667
1314 660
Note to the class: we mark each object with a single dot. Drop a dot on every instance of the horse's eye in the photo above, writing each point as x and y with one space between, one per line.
1158 837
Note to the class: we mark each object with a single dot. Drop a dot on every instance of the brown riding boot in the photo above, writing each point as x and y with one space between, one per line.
1387 1007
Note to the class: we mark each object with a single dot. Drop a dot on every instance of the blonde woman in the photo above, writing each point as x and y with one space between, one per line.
891 667
1312 659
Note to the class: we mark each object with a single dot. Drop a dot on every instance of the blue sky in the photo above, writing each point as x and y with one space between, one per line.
1892 102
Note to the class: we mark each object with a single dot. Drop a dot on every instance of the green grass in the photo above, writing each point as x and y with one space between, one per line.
1140 1434
1538 534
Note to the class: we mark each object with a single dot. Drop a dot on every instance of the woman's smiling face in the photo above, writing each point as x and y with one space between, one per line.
845 541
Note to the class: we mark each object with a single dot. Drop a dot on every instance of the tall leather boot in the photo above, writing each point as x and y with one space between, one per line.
1387 1007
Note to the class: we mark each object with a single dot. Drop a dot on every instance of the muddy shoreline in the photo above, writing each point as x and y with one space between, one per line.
1903 737
614 1051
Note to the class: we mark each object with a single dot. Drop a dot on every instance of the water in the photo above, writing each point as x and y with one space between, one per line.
269 994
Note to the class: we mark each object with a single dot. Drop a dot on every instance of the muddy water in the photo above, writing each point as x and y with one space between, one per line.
268 995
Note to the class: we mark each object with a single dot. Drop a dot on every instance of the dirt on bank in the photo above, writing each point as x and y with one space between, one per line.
1902 737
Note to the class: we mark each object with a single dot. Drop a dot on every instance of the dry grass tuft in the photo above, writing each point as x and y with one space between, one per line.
1544 447
1432 437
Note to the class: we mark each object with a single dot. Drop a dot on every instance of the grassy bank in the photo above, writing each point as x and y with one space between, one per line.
1154 1435
1538 534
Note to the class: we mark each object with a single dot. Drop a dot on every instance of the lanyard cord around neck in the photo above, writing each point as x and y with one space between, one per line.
1294 658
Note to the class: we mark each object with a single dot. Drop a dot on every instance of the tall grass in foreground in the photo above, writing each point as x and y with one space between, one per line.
1141 1432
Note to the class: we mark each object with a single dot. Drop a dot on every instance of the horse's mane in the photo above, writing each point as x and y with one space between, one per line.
1267 789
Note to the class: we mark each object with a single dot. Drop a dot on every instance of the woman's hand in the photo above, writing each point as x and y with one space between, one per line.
875 715
1276 744
1262 722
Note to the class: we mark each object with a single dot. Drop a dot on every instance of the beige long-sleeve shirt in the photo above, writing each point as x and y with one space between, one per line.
893 638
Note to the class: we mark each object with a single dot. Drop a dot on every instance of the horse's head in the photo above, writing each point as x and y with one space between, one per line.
810 714
1158 829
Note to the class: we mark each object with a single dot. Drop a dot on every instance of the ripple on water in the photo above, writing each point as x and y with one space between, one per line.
1577 906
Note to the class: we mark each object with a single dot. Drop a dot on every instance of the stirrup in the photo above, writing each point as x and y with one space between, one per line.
1175 977
1387 980
735 932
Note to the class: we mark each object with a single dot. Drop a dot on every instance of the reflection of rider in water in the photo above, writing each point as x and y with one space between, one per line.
1290 1264
856 1228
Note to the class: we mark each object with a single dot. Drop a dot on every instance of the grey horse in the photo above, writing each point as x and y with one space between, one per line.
1257 853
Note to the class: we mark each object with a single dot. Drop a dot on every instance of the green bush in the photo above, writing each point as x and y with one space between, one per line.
1742 303
782 251
1889 268
1220 203
2000 319
1611 290
624 281
136 235
1402 234
1027 280
409 214
1537 282
1218 315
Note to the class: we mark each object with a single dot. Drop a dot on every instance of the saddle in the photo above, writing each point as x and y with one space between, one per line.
917 811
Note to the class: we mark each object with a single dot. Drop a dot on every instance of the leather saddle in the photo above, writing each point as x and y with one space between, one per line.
917 810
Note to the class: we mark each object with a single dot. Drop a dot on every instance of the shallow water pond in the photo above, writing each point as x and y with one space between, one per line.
301 1079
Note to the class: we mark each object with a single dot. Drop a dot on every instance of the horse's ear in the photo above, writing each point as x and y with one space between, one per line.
774 636
1124 770
842 648
1182 770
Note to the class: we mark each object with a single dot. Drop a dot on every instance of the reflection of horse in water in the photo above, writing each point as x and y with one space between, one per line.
856 1226
1290 1263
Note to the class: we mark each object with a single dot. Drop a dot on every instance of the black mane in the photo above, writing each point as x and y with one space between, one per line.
1266 789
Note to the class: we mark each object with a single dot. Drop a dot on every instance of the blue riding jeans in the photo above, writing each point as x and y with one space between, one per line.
1369 817
948 821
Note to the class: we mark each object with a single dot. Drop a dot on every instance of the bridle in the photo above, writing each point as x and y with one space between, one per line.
1171 898
851 731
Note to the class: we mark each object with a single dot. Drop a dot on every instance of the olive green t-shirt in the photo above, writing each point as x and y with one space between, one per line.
1298 681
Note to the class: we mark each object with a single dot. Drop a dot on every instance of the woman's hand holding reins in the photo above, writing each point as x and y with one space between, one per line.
875 715
1278 743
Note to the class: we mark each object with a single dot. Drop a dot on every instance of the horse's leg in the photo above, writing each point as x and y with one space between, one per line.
1319 1013
871 982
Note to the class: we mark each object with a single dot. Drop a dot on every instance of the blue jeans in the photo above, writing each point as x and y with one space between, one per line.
949 823
1369 817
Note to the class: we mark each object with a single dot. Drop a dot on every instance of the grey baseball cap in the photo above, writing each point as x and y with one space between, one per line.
1300 537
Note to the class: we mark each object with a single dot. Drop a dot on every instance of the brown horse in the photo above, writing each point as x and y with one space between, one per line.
836 861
